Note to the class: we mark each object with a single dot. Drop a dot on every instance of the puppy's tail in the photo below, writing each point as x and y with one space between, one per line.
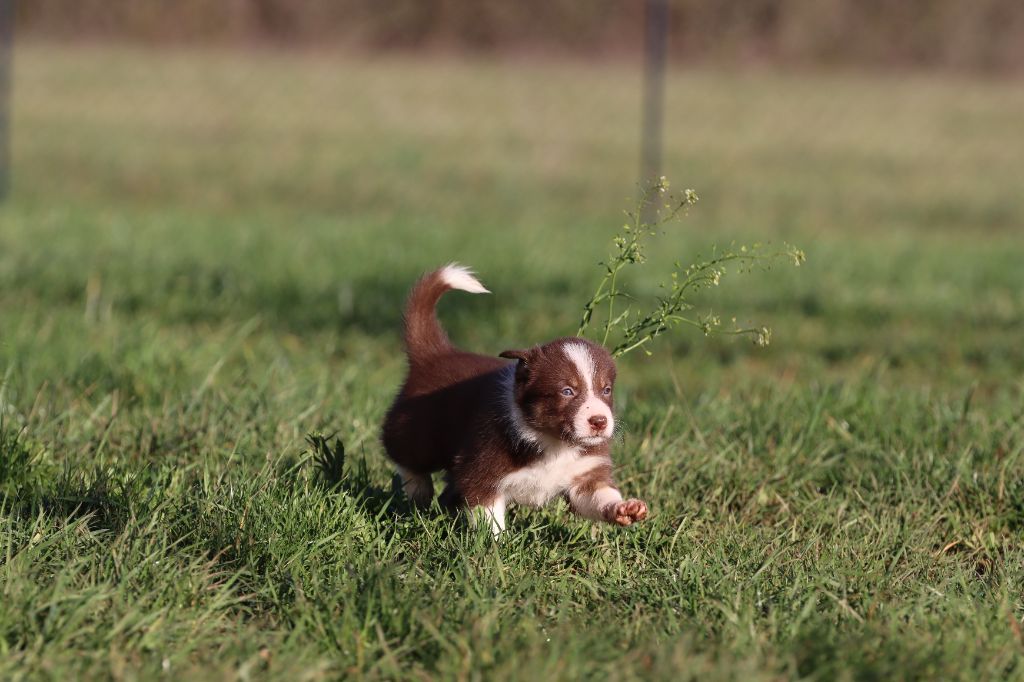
423 333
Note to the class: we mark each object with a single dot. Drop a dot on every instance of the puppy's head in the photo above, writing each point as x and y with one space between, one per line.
563 389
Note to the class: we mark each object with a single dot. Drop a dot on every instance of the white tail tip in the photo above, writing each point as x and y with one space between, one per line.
460 277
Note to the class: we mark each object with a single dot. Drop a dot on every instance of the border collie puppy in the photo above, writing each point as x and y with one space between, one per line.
523 432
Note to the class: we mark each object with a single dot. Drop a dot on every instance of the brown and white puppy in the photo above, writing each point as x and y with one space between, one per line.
524 432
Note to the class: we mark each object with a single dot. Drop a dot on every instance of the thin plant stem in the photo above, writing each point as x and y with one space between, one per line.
635 330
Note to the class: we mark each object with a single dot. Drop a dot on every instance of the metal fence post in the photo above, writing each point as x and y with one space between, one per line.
6 40
655 46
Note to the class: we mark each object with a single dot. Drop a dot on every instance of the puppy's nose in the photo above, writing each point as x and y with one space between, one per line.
598 422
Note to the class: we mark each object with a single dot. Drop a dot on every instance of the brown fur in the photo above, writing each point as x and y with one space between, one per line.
457 411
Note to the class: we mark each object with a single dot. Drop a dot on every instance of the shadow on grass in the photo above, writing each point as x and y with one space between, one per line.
371 304
329 459
31 485
101 503
193 294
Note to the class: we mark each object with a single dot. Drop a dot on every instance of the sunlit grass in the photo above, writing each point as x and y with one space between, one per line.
203 262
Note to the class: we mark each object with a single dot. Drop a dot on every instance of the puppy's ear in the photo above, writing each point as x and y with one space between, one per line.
523 369
521 355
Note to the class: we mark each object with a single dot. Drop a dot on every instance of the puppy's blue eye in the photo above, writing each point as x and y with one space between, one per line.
568 392
607 390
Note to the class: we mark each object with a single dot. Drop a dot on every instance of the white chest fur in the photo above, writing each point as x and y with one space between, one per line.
548 477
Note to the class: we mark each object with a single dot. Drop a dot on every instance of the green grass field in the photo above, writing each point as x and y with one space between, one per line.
203 260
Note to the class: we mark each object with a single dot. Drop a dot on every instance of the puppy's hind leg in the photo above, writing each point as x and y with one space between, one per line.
451 500
418 487
494 512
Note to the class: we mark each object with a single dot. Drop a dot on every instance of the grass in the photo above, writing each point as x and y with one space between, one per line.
203 261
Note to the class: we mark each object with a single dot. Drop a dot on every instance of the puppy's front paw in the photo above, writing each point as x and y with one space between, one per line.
626 513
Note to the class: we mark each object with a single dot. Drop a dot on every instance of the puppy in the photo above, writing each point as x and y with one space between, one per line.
523 432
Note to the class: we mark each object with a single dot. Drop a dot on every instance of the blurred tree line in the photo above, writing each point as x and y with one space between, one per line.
961 34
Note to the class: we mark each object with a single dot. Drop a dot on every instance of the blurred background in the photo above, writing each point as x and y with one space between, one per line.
213 210
183 173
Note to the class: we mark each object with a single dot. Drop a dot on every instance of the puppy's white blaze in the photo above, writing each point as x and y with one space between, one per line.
460 277
592 505
580 356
